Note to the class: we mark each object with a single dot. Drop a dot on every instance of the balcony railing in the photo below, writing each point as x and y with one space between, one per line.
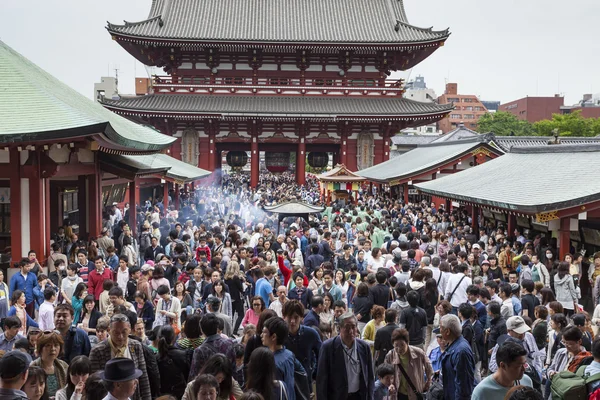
270 86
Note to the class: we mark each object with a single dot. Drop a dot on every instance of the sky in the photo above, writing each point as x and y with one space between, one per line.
498 50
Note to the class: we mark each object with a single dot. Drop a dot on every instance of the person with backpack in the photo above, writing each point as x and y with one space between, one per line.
511 358
569 358
414 319
594 369
456 289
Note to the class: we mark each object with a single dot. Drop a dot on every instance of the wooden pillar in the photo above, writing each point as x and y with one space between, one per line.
82 205
37 231
134 199
475 219
385 150
254 162
405 187
564 237
512 224
211 152
166 197
176 199
15 205
301 162
47 214
95 216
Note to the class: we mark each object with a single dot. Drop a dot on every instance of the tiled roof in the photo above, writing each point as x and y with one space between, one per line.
276 106
412 140
340 174
176 169
459 133
551 169
294 208
328 21
420 159
507 142
34 105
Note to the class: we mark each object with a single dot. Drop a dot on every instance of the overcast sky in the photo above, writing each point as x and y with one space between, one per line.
498 50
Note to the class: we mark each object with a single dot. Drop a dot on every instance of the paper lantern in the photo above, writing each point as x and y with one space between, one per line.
277 162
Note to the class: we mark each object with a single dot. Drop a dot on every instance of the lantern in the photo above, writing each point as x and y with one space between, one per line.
277 162
237 159
318 160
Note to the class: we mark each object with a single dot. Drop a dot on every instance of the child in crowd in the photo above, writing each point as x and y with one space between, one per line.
385 377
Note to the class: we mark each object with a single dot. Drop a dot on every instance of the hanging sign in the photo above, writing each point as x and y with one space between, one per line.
4 195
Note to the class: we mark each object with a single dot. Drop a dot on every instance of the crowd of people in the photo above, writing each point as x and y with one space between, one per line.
369 299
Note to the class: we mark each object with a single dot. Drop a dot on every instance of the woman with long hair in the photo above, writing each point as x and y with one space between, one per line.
173 364
564 287
79 295
158 279
326 316
234 279
316 282
49 348
340 281
17 301
261 375
129 251
78 372
547 296
429 298
144 308
35 385
184 297
218 290
89 316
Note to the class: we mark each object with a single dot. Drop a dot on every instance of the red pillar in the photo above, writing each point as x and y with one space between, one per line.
82 202
95 216
512 224
385 150
37 232
564 237
15 205
134 200
218 159
166 197
474 219
405 187
254 162
47 213
211 152
301 162
344 150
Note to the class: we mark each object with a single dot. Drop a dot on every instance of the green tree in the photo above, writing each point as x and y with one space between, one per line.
572 124
504 123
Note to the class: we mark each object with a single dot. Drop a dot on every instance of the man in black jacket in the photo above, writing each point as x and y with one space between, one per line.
152 251
380 292
497 325
383 336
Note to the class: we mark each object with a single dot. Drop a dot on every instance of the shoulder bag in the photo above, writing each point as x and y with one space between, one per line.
452 294
410 383
282 391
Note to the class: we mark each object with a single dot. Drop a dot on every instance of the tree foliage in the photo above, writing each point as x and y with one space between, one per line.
504 124
572 124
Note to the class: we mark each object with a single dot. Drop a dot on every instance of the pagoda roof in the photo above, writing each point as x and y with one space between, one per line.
422 159
35 106
275 106
157 164
340 174
552 168
279 21
294 208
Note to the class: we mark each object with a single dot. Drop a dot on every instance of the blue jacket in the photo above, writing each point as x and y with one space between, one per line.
19 282
332 380
458 357
312 319
30 322
286 364
305 345
77 343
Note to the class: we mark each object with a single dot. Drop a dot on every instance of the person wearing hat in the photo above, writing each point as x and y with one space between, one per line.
118 345
519 332
121 378
105 241
14 367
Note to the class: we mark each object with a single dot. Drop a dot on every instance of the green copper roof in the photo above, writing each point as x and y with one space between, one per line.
175 169
35 106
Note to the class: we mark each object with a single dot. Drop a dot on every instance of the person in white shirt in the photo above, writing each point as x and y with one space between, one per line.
69 283
46 311
506 310
456 288
277 305
123 274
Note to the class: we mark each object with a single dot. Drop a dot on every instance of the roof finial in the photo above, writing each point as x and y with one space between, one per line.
397 27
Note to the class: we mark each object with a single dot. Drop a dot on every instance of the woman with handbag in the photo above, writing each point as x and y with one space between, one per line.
411 364
168 309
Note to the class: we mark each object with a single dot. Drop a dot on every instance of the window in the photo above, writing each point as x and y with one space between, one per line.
467 100
455 116
4 219
469 116
452 100
469 108
477 108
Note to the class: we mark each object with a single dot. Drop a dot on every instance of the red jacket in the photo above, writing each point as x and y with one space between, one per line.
96 281
206 249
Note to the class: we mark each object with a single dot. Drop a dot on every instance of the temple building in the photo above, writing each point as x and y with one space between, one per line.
279 77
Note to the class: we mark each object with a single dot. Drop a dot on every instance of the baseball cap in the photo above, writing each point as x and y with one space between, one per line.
517 324
476 246
485 262
14 363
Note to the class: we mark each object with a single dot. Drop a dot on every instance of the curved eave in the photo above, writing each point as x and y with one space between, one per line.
174 41
523 208
433 168
103 132
131 112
